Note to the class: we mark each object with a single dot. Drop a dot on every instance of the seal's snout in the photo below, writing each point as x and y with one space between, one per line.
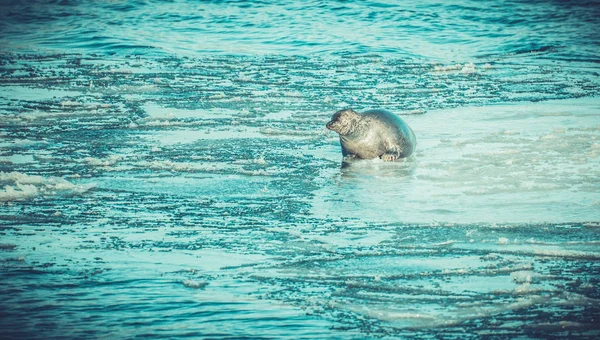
329 125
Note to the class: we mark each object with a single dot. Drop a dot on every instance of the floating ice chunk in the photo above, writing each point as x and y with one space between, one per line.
445 243
260 160
503 240
468 68
194 284
23 191
111 160
525 276
19 186
447 68
20 178
293 94
526 288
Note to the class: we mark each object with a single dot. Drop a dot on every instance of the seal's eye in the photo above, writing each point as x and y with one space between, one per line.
335 117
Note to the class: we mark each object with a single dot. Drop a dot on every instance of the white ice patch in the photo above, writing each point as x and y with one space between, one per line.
104 162
525 276
22 191
494 164
20 186
503 240
447 68
526 289
468 68
195 284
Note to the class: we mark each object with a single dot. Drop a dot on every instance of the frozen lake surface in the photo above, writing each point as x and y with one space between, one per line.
155 186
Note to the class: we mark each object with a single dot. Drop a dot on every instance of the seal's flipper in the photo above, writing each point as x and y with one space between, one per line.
392 153
389 156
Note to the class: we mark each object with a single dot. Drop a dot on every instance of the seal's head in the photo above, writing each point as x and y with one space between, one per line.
344 121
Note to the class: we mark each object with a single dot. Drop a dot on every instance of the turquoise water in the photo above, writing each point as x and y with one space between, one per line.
435 30
165 170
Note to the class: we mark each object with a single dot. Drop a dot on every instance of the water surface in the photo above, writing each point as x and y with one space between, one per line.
165 170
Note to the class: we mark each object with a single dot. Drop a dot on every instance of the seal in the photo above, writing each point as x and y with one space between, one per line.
373 134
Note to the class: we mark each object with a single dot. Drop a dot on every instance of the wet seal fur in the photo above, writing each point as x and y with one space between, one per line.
373 134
